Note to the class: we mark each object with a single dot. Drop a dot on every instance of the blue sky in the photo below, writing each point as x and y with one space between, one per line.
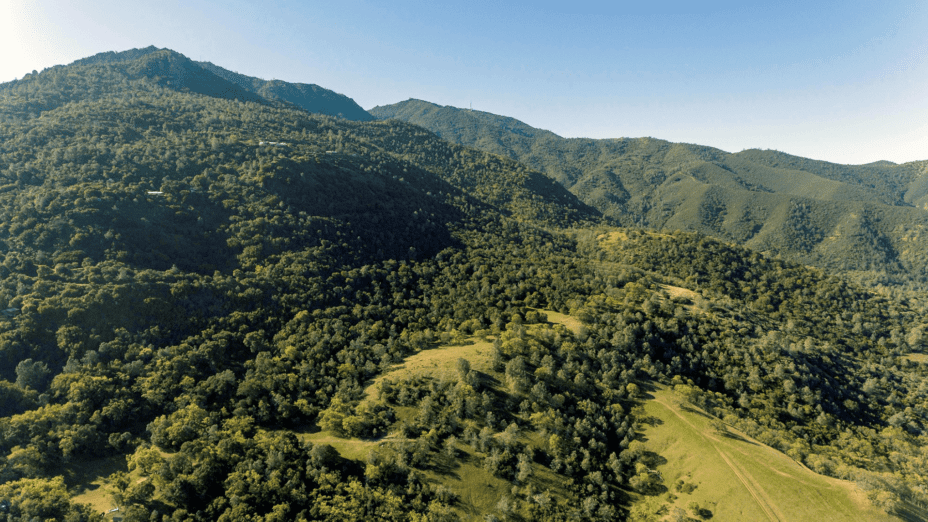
839 81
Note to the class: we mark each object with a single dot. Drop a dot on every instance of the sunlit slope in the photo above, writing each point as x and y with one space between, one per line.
845 217
458 469
738 478
917 191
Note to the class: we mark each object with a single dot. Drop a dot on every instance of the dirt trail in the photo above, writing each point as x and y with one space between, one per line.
747 483
756 491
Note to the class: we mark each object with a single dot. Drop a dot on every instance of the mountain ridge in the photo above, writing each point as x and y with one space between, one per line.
310 97
176 71
748 197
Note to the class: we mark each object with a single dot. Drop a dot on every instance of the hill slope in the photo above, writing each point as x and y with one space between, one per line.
309 97
176 71
267 314
867 217
733 477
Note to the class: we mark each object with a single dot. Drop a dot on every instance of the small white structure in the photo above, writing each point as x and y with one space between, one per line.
155 193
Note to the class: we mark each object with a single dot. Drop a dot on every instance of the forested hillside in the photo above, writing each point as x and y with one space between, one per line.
867 218
252 312
171 69
312 97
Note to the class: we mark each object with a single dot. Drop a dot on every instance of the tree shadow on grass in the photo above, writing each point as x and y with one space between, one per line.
444 465
734 436
689 409
652 459
651 421
653 490
485 380
80 473
646 390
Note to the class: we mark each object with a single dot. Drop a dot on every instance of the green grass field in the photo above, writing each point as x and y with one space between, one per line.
477 490
734 476
573 324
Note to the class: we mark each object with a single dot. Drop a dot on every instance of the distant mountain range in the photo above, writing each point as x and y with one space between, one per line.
103 96
865 217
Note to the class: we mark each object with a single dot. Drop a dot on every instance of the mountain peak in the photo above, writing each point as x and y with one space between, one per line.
112 57
173 70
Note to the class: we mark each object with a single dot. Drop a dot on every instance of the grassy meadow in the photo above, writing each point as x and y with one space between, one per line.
733 476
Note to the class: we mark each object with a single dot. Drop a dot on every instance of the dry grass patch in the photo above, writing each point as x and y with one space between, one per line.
572 323
612 238
477 490
352 449
676 292
615 237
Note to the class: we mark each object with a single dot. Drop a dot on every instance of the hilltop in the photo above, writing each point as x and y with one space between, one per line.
175 71
840 217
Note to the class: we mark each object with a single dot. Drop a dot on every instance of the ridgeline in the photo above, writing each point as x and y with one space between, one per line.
866 219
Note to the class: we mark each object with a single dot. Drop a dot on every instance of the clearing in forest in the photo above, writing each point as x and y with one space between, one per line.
439 362
572 323
734 476
611 238
676 292
349 448
88 484
616 236
478 491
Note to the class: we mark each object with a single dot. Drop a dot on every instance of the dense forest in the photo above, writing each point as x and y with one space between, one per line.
865 221
197 277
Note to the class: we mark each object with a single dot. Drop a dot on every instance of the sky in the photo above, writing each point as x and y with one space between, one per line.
841 81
